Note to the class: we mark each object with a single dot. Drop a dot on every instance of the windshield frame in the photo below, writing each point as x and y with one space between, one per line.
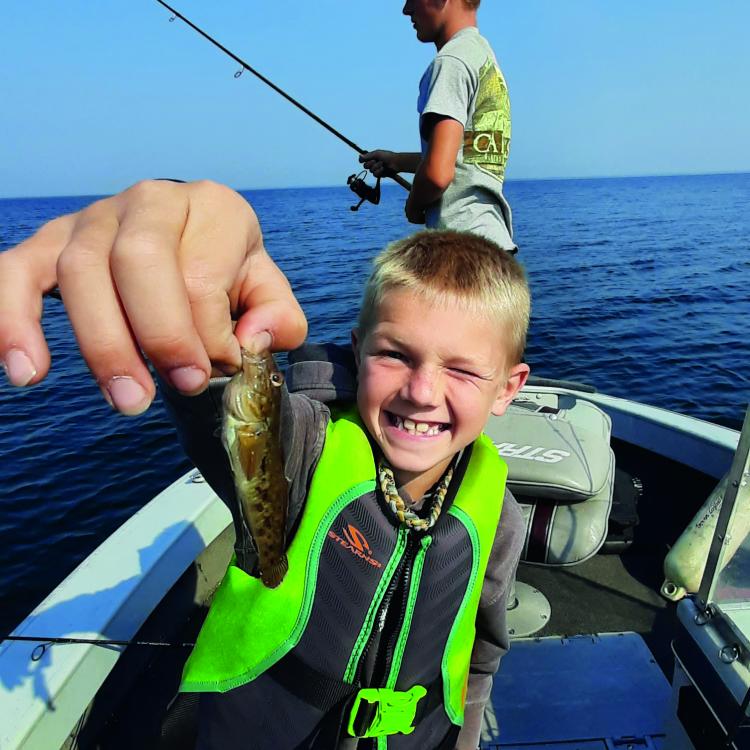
736 497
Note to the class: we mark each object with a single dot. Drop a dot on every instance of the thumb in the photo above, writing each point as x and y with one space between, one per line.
267 303
279 325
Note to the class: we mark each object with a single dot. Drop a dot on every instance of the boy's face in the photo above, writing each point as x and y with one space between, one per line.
429 378
426 17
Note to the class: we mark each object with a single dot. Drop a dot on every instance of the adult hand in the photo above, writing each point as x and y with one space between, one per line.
414 214
381 163
160 269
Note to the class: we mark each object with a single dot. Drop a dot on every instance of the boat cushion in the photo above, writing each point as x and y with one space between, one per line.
561 470
559 533
555 452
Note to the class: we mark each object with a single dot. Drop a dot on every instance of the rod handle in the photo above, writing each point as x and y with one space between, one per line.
401 181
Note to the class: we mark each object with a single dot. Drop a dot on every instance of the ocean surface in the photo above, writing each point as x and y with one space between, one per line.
641 287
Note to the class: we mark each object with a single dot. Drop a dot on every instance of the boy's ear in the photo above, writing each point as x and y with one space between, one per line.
355 345
516 380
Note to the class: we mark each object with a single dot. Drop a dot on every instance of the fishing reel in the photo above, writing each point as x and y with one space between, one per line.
365 192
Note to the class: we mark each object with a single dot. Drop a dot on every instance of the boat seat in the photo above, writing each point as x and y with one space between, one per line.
561 470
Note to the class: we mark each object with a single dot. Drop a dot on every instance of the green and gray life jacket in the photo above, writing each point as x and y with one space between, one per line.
372 616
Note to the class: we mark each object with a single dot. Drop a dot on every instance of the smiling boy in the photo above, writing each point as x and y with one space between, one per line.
390 623
433 353
397 513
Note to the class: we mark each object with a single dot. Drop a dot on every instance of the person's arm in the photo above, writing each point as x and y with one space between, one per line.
384 163
492 640
445 98
162 268
437 169
433 173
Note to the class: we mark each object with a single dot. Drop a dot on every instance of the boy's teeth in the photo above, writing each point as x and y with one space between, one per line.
416 428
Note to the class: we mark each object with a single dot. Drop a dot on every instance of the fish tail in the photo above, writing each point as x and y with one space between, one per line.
275 573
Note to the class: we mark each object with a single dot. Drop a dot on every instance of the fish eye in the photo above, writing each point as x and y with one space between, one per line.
277 379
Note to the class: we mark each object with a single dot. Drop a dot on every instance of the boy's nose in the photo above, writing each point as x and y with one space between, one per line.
406 10
423 387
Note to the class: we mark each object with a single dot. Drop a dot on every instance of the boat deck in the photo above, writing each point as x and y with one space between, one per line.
612 593
609 593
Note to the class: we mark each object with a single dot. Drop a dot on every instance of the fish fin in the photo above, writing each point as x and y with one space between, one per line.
248 453
275 574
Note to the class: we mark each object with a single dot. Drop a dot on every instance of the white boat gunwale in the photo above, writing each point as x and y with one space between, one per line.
140 561
199 517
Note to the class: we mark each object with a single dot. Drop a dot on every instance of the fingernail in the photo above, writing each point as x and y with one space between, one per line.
259 342
127 396
187 379
225 370
18 368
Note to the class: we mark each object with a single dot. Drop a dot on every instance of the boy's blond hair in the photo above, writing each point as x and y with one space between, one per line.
445 266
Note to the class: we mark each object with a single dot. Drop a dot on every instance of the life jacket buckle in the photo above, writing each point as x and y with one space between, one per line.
378 712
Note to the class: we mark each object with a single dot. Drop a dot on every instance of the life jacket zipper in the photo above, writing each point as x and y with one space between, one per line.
393 623
391 617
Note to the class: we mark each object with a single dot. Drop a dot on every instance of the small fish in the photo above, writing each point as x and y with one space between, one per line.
251 436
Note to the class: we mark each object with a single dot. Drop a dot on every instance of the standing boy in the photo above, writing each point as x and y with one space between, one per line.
464 125
394 647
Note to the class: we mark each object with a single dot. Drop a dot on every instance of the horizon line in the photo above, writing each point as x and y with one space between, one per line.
390 184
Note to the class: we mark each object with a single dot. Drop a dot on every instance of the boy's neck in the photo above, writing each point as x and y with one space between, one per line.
463 20
417 484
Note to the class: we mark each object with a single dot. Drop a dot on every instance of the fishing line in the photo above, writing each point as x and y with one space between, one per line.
245 66
45 643
739 722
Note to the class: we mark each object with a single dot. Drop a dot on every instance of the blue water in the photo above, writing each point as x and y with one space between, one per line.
641 287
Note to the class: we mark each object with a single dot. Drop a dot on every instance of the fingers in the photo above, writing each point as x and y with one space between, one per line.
124 293
147 274
218 244
183 259
269 306
157 271
378 162
255 290
26 272
414 214
375 166
380 168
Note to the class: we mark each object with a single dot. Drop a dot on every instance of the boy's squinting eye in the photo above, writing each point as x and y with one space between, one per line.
471 374
391 354
466 373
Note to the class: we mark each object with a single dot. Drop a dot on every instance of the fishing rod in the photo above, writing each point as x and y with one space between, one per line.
356 181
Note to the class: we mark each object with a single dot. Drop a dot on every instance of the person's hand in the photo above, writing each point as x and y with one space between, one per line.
160 269
381 163
414 214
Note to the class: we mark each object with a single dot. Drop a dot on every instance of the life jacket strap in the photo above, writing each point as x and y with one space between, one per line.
309 685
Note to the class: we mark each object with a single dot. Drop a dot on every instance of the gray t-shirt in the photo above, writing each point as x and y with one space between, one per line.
464 82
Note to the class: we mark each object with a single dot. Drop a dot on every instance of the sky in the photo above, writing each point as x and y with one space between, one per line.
97 95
